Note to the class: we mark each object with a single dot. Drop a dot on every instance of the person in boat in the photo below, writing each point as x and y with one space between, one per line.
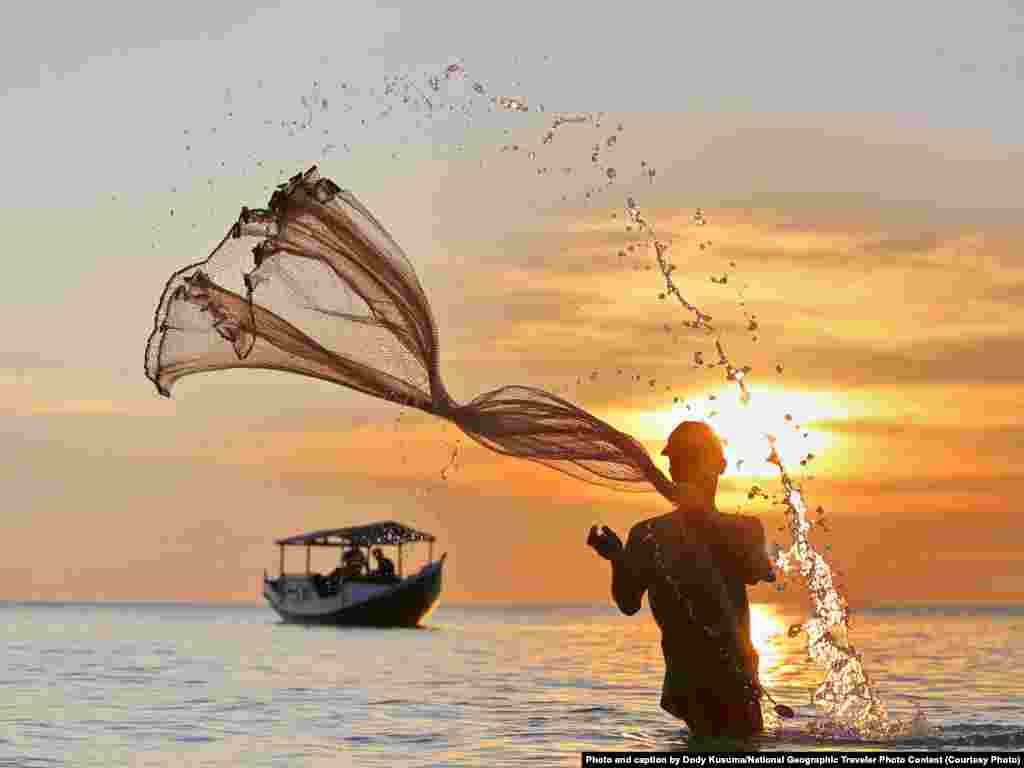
385 567
695 564
354 563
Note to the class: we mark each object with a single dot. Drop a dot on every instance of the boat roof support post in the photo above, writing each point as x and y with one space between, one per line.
430 552
309 551
399 561
281 573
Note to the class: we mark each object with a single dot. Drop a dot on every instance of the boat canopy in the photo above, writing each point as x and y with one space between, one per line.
388 532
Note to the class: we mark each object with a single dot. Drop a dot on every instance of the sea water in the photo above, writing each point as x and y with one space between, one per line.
199 685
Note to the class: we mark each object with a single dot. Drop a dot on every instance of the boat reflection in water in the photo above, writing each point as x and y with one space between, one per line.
354 593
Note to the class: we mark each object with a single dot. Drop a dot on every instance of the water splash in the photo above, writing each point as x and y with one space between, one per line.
452 464
846 697
332 116
847 703
512 104
439 483
701 319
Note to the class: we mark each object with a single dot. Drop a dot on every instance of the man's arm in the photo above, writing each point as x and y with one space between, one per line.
629 574
628 582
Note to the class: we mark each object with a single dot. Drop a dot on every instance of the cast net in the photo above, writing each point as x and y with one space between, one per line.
314 285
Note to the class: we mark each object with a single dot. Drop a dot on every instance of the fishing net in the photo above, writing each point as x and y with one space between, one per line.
315 285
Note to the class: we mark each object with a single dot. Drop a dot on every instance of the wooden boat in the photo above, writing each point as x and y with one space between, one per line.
352 595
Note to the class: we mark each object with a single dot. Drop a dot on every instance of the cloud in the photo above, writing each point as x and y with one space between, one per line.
931 485
37 392
1007 293
857 299
981 360
924 431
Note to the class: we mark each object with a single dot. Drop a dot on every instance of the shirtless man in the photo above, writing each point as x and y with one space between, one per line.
696 562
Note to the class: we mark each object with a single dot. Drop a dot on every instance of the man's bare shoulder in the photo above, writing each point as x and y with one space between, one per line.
739 521
650 525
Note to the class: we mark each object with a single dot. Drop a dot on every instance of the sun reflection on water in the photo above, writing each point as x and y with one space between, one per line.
766 624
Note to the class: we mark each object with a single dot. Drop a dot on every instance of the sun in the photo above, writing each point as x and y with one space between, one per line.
785 414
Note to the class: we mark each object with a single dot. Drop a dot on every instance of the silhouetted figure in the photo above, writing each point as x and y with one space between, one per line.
385 567
695 563
354 563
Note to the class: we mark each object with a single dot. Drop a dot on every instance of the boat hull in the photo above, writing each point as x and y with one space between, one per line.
404 605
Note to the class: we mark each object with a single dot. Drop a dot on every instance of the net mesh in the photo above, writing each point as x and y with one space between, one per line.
314 285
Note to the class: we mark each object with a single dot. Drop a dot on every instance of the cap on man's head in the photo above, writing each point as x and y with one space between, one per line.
696 439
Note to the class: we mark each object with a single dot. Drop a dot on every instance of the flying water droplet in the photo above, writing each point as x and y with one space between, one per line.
513 104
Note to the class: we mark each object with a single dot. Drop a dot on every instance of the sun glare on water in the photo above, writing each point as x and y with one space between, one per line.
765 624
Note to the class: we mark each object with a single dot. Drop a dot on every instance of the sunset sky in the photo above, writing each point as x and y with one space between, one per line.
860 165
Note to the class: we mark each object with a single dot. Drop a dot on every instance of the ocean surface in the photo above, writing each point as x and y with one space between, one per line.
195 685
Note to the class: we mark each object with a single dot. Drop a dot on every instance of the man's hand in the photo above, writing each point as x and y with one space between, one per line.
606 542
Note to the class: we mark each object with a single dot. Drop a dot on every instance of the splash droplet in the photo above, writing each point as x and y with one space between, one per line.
513 104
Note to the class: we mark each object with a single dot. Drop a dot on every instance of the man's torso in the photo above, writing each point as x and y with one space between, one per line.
696 598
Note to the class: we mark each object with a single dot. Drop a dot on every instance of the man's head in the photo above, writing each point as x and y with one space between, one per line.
694 451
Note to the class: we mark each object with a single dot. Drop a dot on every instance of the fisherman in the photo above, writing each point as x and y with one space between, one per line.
354 562
696 562
385 567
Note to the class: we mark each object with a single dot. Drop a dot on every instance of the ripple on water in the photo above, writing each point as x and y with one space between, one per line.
194 739
524 704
